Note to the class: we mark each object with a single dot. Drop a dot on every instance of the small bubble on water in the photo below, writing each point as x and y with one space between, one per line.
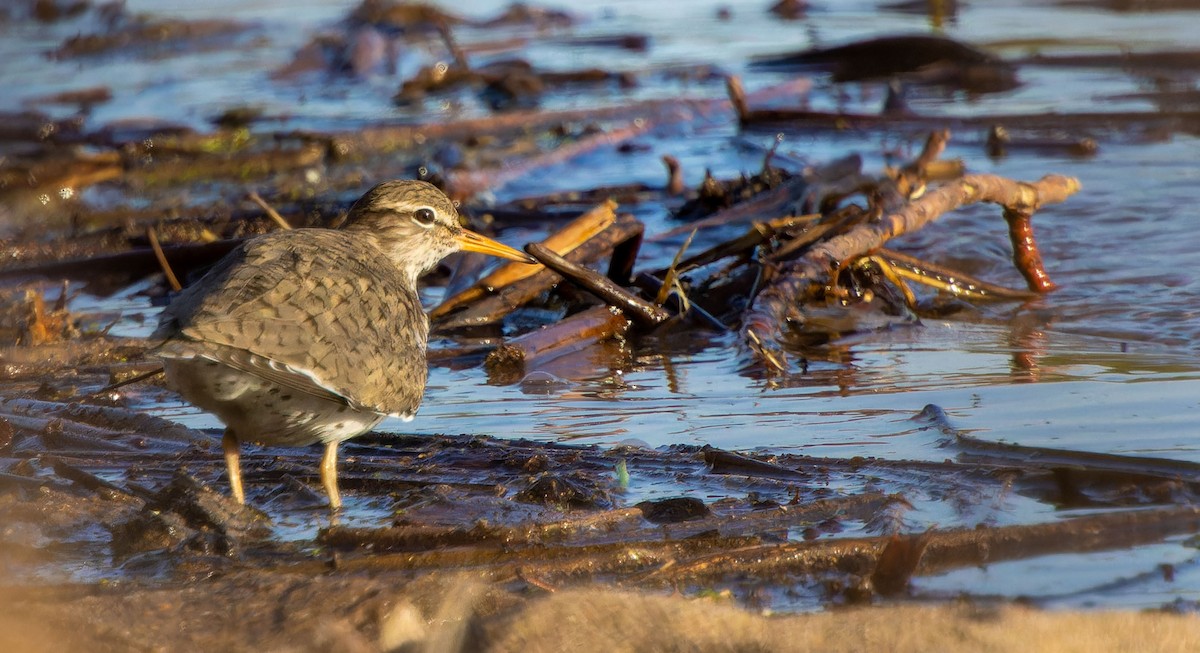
543 383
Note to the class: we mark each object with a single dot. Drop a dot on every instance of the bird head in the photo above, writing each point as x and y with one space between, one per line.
416 225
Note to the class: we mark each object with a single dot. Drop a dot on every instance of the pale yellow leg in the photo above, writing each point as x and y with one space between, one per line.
329 475
233 463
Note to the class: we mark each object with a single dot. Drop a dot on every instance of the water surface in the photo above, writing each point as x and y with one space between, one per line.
1108 363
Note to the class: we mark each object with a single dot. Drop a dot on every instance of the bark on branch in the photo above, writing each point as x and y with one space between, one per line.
780 302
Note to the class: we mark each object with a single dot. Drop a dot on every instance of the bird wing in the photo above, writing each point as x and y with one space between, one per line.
281 374
313 303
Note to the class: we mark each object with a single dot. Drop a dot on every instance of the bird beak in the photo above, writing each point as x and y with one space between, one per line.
473 242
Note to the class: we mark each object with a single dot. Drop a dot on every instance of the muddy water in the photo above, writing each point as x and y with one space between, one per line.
1108 363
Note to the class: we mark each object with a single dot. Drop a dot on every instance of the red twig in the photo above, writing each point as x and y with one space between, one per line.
1026 256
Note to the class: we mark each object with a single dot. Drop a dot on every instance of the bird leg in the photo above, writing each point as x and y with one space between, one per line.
329 475
233 463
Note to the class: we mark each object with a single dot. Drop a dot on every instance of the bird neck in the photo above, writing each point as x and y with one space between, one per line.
412 256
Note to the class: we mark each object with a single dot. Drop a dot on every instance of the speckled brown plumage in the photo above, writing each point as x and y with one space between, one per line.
316 334
357 326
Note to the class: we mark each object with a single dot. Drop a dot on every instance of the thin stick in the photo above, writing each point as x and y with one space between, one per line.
495 306
563 241
675 185
253 196
460 58
671 278
466 183
945 279
162 259
120 384
737 97
646 313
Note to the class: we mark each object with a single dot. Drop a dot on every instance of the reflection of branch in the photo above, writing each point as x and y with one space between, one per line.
765 320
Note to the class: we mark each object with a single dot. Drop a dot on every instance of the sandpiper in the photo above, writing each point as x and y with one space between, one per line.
316 335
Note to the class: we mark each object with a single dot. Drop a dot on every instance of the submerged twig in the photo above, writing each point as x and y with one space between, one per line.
783 200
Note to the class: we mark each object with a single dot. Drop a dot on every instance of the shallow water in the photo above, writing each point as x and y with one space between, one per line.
1108 363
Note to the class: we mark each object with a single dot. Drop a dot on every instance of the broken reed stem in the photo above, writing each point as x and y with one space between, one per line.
639 119
774 203
106 417
503 301
418 537
398 137
934 146
253 196
562 337
712 559
565 240
675 184
773 307
152 236
737 97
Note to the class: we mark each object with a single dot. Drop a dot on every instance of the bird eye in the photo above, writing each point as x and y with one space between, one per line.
424 216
